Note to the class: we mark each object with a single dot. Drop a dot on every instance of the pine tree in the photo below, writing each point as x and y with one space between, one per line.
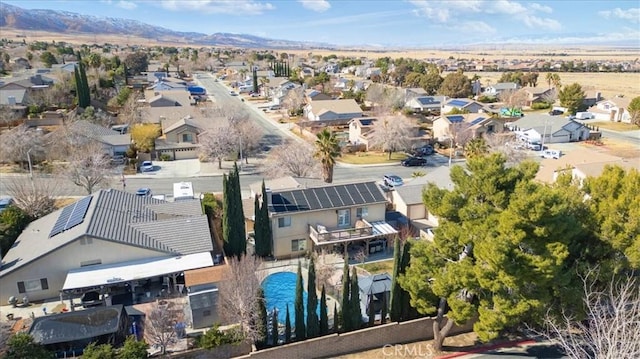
76 79
396 290
262 227
408 312
354 300
345 323
287 327
227 217
299 308
255 80
86 99
324 318
262 318
233 231
241 234
336 318
274 327
313 328
257 228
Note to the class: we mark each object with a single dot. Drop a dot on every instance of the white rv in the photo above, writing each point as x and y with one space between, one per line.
555 154
584 115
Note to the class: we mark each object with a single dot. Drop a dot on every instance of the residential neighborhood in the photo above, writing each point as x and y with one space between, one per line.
163 188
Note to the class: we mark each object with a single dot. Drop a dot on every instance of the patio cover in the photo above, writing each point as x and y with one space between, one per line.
107 274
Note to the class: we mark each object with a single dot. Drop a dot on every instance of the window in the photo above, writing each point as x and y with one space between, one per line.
90 263
187 137
343 217
362 212
33 285
298 245
284 222
490 128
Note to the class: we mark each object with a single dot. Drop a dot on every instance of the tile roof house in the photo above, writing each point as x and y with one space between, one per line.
110 238
327 217
554 129
333 111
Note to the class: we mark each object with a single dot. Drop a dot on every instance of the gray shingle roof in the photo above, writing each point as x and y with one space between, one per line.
377 283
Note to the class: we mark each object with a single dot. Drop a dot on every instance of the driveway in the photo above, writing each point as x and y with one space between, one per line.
181 168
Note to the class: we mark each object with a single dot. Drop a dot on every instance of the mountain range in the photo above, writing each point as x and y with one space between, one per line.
64 22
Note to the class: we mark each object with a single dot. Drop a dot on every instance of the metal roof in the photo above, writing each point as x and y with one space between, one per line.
337 196
375 284
73 326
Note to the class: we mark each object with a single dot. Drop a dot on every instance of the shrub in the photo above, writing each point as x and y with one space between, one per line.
540 106
214 338
165 157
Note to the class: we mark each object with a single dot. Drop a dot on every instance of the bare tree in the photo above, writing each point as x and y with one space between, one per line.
218 142
21 145
460 133
89 167
504 143
513 98
34 196
391 134
376 95
612 325
160 323
294 99
7 115
133 111
5 334
294 159
238 294
249 135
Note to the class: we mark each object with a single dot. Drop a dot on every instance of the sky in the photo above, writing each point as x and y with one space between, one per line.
407 23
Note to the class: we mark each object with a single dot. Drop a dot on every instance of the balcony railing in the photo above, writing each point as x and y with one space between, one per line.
323 235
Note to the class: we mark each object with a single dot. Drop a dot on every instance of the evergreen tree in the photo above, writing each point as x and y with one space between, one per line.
396 290
336 318
408 312
287 327
255 80
385 307
299 308
257 228
274 327
354 301
233 231
371 312
313 325
227 216
345 322
86 100
324 318
262 228
262 318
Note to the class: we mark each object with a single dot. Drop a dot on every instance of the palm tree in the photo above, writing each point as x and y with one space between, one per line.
556 81
327 150
549 78
476 147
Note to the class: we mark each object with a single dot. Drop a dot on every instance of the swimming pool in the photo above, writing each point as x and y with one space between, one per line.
280 290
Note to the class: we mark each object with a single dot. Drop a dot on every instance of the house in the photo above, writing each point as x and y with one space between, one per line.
168 84
170 99
462 104
543 128
333 110
431 104
581 164
112 242
113 142
15 97
358 128
413 92
374 290
592 98
68 67
333 217
179 138
444 127
537 94
614 109
315 95
496 89
20 63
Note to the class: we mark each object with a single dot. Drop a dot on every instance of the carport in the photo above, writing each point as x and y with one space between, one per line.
102 278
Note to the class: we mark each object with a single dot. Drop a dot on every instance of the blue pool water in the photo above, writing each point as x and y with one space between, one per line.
280 290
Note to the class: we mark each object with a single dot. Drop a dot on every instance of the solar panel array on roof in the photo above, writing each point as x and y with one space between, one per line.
477 120
71 216
310 199
455 118
366 122
458 103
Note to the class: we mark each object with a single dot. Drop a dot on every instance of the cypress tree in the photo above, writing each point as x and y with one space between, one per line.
313 328
354 300
233 216
408 312
255 80
396 290
287 327
336 319
227 215
385 304
257 228
324 318
86 100
262 318
299 308
76 78
345 322
241 234
266 222
274 327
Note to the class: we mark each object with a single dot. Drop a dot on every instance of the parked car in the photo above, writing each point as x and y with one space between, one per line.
392 181
233 93
117 160
423 151
143 192
274 107
555 112
584 116
146 166
555 154
5 203
413 161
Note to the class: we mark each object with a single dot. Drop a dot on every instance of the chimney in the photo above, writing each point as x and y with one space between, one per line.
598 96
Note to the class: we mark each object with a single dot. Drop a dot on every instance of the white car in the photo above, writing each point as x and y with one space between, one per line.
392 181
146 166
233 93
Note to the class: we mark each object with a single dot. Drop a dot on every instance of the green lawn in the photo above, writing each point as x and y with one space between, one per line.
378 267
615 126
368 158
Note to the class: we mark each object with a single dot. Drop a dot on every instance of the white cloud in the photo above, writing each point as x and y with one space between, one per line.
476 27
505 7
540 23
128 5
631 14
316 5
541 8
231 7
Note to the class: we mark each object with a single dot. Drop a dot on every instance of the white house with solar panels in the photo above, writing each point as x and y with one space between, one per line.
113 242
445 127
462 104
336 217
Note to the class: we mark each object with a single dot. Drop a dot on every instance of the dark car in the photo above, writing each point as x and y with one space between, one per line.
555 112
423 151
414 161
